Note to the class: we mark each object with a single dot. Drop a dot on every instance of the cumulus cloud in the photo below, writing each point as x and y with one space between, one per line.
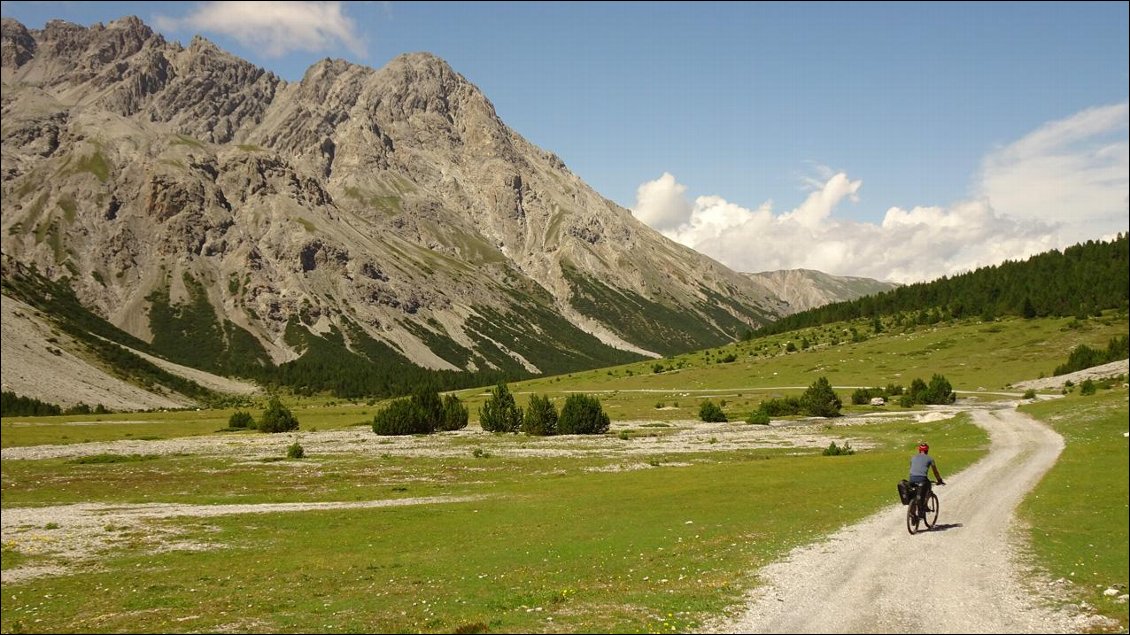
275 28
660 203
1062 184
912 245
1073 172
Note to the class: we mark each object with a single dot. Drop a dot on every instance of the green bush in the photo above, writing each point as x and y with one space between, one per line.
582 414
940 391
1030 394
863 396
758 417
1087 387
820 400
500 413
835 450
540 418
710 412
422 413
295 451
277 418
241 419
454 414
399 417
783 407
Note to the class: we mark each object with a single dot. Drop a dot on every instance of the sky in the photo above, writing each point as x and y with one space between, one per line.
895 141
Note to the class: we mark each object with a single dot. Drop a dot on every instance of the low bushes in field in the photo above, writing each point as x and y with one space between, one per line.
421 413
277 418
241 419
500 413
540 418
582 414
711 412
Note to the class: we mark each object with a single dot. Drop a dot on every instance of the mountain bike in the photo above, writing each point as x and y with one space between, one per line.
922 511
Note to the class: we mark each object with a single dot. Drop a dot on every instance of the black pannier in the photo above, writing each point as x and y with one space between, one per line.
906 491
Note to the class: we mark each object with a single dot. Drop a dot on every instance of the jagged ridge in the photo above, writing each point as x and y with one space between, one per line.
188 194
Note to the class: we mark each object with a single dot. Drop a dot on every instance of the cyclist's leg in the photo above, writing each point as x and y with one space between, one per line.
923 496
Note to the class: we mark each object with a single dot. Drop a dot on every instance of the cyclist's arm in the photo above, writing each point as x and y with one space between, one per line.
936 475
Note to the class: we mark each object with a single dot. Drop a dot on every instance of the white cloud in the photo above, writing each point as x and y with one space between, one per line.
1060 185
818 206
275 28
660 203
908 246
1074 172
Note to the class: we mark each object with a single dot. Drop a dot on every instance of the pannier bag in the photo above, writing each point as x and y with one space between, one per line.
906 491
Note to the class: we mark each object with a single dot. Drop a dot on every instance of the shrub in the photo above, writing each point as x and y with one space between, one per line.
783 407
820 400
758 417
711 412
940 391
916 394
277 418
454 414
422 413
1030 393
500 413
295 451
1087 387
863 396
582 414
399 417
835 450
241 419
540 418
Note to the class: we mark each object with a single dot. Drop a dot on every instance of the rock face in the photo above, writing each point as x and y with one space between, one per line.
183 193
803 289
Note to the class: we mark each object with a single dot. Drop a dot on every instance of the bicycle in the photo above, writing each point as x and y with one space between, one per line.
922 511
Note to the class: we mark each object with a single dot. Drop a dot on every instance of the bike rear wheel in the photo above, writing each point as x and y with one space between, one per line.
912 517
931 515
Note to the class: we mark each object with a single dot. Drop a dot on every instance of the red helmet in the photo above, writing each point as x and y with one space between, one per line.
923 448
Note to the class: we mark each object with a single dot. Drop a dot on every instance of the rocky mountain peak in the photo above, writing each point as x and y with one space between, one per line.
386 212
17 46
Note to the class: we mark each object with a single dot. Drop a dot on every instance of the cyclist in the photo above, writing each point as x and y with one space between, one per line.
920 466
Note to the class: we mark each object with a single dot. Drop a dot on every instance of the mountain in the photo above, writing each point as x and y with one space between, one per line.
804 289
354 231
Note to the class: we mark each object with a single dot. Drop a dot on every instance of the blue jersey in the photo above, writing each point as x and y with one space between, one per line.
920 467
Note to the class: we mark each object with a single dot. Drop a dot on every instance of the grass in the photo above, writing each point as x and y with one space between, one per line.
560 543
312 414
551 546
1078 513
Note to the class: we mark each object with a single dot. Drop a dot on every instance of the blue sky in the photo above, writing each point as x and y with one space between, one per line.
900 141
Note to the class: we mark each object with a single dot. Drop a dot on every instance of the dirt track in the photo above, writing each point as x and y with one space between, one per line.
965 574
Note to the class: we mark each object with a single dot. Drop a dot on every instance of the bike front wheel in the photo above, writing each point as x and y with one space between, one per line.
931 515
912 517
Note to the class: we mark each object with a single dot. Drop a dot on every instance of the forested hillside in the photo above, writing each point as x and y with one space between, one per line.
1081 280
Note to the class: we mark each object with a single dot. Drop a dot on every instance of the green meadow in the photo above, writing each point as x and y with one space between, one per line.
556 541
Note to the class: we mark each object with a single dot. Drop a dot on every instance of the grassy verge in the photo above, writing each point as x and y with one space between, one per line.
1078 513
554 544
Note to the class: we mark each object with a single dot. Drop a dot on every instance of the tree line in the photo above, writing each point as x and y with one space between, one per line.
1080 281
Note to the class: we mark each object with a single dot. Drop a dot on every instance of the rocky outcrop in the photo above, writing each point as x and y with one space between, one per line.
391 200
804 289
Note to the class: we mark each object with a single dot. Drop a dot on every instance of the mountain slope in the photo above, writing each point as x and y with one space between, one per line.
387 211
804 289
338 233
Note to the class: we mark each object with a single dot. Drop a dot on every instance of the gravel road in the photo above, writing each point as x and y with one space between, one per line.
964 575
